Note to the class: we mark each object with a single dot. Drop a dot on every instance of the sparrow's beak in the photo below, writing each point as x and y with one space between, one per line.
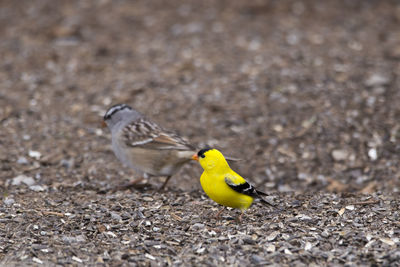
103 124
195 157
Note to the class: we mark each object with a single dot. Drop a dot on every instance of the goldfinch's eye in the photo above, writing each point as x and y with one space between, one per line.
203 156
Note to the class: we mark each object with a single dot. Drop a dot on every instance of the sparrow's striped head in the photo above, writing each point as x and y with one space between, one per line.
120 114
114 109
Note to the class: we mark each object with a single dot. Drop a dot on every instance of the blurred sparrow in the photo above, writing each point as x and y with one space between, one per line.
144 146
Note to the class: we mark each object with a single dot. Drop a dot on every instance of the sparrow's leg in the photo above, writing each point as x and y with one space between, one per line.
165 183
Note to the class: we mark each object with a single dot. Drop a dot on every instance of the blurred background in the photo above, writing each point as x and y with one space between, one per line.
306 92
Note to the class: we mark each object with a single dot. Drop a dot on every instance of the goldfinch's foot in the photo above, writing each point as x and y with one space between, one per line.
217 216
239 218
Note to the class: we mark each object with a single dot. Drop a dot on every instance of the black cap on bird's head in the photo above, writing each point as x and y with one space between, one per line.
114 109
200 154
204 150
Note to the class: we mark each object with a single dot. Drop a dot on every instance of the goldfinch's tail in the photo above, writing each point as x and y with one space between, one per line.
266 202
269 204
261 193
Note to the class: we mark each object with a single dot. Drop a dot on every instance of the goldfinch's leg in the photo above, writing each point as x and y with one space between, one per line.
240 216
219 213
131 184
165 183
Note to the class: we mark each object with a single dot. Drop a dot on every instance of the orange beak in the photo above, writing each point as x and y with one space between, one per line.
195 157
103 124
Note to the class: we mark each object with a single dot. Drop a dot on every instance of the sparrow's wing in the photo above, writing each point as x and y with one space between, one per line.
146 134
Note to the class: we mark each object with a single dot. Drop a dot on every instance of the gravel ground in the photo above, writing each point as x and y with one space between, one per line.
305 92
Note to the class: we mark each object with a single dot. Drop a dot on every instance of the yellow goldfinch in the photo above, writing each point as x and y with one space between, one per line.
222 184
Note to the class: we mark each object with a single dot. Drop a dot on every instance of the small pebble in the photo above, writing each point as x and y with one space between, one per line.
387 241
38 188
34 154
255 259
373 154
109 233
303 217
76 259
341 211
8 201
22 179
340 154
307 246
325 234
272 236
67 163
38 261
150 256
198 226
22 161
271 248
73 239
200 250
288 252
115 216
377 79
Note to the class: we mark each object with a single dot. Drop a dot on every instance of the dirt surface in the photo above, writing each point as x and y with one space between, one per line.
306 93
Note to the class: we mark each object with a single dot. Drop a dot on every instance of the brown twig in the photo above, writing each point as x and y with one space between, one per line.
59 214
367 202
